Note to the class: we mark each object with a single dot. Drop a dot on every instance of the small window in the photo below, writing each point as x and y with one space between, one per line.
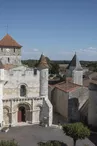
23 90
35 71
8 60
14 50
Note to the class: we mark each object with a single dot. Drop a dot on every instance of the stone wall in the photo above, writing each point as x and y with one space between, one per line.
92 109
59 101
50 89
77 77
10 56
77 99
18 76
69 71
32 106
44 82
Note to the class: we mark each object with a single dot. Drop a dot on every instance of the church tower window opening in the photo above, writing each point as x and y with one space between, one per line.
14 50
35 71
23 90
8 59
1 49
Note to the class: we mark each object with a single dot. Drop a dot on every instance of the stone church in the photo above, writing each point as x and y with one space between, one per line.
23 90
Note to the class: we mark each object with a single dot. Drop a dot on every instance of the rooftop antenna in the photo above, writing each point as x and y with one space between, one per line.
6 28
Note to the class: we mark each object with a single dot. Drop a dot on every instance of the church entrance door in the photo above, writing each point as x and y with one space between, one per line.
21 114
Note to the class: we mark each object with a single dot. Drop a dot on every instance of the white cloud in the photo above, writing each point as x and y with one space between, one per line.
89 53
35 50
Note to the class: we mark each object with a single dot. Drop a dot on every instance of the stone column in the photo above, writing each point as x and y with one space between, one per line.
32 109
11 113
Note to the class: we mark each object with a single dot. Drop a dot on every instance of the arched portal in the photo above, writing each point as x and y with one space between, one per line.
23 113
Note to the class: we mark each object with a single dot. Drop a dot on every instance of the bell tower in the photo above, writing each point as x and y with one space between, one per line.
1 92
10 51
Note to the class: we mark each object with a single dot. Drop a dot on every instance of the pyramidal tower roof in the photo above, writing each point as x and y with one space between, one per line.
78 65
75 63
43 62
8 41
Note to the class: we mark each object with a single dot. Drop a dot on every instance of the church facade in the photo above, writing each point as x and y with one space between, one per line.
23 90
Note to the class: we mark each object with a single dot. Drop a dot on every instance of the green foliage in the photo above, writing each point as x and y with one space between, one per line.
52 143
63 78
92 66
8 143
29 63
76 131
54 68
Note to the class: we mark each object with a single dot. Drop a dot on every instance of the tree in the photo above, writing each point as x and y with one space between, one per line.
76 131
54 68
8 143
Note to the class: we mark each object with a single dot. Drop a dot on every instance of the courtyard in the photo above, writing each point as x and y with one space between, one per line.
31 135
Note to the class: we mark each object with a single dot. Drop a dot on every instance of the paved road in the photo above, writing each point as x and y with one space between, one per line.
93 138
31 135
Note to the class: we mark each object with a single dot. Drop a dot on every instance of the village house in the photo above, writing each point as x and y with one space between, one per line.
70 98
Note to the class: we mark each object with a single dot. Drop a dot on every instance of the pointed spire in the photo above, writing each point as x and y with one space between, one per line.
72 62
43 62
78 65
8 41
75 63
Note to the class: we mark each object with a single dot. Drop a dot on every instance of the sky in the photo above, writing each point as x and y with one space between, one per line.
56 28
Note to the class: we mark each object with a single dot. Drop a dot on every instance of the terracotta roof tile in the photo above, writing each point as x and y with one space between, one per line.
8 66
67 86
8 41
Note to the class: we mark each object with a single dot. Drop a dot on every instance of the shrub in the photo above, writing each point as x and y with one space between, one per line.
52 143
8 143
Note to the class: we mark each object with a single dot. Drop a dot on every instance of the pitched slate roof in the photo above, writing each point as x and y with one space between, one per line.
72 62
43 62
75 63
8 41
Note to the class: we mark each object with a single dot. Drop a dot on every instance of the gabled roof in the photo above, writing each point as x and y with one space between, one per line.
8 41
67 86
43 62
75 63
